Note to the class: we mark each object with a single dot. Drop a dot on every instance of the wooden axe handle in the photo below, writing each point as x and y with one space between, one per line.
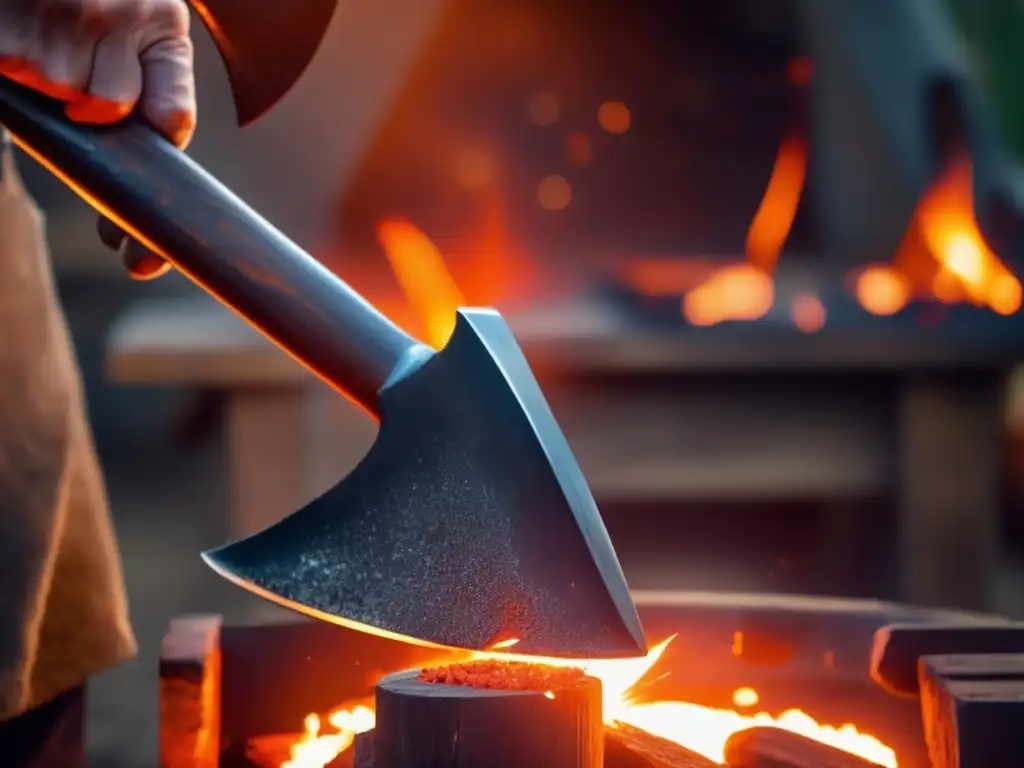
171 205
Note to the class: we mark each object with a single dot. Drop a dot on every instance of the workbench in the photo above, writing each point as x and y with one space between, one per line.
670 417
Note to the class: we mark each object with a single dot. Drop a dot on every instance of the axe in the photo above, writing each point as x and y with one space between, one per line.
468 522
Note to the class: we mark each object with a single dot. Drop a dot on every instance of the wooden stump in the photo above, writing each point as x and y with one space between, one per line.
972 709
776 748
190 693
434 725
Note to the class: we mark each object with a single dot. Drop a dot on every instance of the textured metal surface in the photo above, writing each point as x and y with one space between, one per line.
468 522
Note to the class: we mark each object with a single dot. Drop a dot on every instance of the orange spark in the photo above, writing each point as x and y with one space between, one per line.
774 218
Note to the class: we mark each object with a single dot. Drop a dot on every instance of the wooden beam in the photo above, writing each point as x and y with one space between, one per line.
898 647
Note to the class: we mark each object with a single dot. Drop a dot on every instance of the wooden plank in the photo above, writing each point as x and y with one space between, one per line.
971 711
190 688
897 648
776 748
194 340
677 437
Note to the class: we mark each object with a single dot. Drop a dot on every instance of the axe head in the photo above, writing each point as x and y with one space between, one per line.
266 46
467 524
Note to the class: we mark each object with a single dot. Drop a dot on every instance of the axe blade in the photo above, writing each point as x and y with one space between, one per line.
266 45
468 522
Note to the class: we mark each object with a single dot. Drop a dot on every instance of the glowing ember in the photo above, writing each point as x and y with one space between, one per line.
944 255
736 292
698 728
503 675
946 217
881 290
745 697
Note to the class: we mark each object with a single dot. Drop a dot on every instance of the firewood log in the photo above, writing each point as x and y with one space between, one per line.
362 750
776 748
897 648
626 746
972 709
435 724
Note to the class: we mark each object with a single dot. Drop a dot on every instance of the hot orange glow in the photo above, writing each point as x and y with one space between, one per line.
774 218
577 146
713 293
882 290
316 749
745 697
544 108
735 292
808 313
698 728
473 169
423 276
554 193
944 255
947 221
614 117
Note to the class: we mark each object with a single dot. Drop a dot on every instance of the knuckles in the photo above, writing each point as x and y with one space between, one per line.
97 18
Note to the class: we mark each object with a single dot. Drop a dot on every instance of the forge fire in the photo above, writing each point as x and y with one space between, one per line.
696 729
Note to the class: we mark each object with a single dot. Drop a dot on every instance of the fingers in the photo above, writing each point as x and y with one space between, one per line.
66 34
168 91
115 83
104 58
141 263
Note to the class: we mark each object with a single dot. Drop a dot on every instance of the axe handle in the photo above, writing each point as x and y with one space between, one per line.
170 204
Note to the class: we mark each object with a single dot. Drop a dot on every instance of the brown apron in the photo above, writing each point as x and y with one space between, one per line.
63 611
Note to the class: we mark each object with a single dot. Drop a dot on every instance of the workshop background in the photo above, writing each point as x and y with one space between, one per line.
765 258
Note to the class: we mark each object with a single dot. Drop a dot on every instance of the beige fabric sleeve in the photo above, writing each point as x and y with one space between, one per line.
63 610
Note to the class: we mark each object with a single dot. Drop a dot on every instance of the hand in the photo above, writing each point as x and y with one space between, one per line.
106 59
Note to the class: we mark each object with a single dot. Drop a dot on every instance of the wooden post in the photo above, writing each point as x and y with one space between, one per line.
421 724
949 486
190 693
972 709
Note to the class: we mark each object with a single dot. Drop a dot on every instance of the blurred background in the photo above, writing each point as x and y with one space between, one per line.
765 258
